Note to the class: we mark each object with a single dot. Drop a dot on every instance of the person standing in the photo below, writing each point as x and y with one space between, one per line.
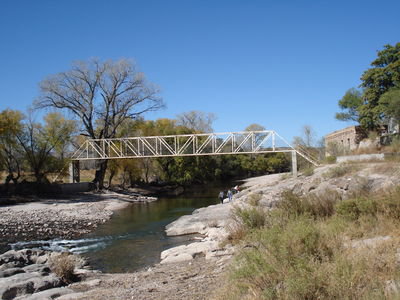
230 195
221 196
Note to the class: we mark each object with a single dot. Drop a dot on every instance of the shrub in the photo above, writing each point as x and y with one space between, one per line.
236 233
353 209
330 159
389 204
308 171
299 255
254 199
243 221
250 218
340 171
317 206
304 260
63 265
283 264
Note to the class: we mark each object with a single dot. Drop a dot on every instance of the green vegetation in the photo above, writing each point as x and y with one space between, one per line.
378 100
309 248
308 171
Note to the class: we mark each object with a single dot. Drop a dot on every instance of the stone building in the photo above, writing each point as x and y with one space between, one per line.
344 140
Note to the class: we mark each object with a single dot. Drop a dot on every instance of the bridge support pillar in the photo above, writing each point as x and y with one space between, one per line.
74 171
294 163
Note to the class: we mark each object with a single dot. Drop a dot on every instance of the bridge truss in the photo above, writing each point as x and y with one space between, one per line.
245 142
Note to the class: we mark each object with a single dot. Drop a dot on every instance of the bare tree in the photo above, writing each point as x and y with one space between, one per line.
101 94
197 120
307 138
309 135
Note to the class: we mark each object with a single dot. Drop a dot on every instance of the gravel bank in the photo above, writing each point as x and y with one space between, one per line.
60 218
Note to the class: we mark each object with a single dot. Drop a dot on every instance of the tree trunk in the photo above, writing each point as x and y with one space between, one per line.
110 178
100 173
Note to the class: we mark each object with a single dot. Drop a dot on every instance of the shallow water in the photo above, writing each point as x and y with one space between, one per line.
134 237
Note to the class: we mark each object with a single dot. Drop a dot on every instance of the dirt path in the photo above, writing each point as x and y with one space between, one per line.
196 279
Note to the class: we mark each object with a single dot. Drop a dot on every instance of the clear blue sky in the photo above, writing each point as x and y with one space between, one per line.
282 64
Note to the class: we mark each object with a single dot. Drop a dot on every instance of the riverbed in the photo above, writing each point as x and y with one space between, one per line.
132 239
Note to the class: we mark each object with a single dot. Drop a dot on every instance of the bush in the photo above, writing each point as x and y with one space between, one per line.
387 205
340 171
243 221
250 218
63 265
254 199
305 259
304 250
284 263
316 206
353 209
308 171
330 159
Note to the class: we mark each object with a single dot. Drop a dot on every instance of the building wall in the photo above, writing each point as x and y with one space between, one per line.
344 140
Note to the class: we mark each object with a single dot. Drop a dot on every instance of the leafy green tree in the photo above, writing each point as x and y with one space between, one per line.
350 103
101 95
382 77
42 143
390 101
10 150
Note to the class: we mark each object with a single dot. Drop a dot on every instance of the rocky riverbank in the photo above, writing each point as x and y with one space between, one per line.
28 274
196 270
61 218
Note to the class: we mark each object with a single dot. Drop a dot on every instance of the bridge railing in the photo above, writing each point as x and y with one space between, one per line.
307 155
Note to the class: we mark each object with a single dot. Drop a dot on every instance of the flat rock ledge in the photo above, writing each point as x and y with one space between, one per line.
210 222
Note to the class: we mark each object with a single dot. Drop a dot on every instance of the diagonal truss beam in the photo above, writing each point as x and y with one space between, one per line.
245 142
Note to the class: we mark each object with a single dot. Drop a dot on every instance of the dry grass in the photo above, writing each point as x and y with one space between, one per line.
63 265
387 168
300 251
213 223
342 170
254 199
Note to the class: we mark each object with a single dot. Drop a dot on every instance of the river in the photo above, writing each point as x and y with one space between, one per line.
134 237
